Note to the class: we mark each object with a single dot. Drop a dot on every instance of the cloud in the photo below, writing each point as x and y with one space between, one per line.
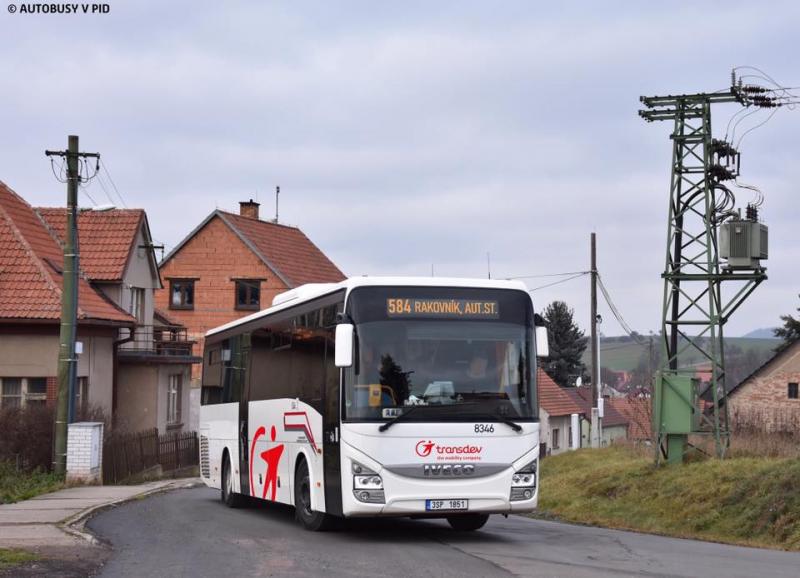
405 136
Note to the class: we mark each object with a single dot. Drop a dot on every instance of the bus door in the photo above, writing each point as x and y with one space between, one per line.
331 457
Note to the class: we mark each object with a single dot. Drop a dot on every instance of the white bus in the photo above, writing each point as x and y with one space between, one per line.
377 397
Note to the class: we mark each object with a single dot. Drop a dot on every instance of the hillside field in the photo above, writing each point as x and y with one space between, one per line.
748 501
624 356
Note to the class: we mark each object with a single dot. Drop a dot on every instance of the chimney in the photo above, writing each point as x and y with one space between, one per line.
249 209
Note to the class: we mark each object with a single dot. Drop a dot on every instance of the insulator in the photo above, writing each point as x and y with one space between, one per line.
752 88
751 213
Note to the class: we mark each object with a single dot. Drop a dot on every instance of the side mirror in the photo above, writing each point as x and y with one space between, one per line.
542 344
343 356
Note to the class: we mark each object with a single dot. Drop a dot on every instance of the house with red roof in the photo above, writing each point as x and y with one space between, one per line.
769 398
134 363
614 424
639 413
232 264
556 411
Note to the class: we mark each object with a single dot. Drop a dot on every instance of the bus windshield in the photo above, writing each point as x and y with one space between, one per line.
461 353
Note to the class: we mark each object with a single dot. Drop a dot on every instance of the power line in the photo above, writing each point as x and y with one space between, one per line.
617 314
752 128
559 281
113 184
105 189
85 192
548 275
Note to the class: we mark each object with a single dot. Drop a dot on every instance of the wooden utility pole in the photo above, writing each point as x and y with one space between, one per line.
595 417
595 368
67 359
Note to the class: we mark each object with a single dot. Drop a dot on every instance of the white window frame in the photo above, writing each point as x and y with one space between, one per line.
174 387
137 304
555 438
81 393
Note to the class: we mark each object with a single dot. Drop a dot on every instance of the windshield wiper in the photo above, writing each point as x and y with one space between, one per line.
487 415
482 415
399 418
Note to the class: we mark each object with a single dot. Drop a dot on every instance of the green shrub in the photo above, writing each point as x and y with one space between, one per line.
16 485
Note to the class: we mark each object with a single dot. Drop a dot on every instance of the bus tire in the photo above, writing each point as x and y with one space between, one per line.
467 522
229 497
309 518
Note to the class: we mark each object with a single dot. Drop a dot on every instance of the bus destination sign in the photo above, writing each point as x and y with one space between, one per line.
462 308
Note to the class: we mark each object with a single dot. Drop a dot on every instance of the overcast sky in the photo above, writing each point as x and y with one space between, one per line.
411 136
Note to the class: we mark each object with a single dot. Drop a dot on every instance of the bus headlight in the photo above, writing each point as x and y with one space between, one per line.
371 482
367 485
523 483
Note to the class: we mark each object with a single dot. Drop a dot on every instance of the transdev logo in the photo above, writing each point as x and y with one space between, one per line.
425 448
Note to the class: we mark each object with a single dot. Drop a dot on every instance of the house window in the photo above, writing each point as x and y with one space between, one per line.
36 390
82 394
792 391
181 293
174 399
555 434
137 304
11 392
248 294
19 391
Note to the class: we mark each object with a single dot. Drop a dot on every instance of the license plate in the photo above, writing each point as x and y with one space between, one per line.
432 505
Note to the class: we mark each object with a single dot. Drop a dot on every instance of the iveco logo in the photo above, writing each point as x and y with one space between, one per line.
448 470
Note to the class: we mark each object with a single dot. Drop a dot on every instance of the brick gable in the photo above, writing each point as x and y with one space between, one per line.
215 257
763 397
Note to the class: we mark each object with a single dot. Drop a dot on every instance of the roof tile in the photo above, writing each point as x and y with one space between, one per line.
106 238
583 397
552 398
30 265
286 249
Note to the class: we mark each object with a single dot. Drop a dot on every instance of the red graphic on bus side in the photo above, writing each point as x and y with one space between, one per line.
271 458
298 420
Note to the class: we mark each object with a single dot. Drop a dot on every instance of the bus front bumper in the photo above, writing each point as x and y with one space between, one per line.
404 496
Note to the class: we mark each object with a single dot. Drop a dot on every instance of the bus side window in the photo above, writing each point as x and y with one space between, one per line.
235 367
212 376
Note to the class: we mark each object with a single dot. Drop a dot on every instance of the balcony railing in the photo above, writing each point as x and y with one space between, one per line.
157 340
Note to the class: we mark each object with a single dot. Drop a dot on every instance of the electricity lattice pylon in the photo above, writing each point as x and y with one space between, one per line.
695 309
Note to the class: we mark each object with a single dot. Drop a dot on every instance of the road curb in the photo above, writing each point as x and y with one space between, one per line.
75 524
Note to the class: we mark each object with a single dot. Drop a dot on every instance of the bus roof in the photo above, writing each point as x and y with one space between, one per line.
313 290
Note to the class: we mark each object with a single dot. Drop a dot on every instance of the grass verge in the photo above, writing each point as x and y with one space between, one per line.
10 558
748 501
16 486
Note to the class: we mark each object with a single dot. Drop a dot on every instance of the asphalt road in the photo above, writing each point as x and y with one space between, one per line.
190 533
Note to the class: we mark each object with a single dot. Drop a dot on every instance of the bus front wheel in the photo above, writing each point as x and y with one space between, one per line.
467 522
229 497
309 518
